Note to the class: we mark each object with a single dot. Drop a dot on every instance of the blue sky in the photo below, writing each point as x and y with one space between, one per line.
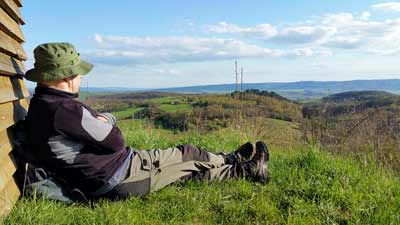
152 44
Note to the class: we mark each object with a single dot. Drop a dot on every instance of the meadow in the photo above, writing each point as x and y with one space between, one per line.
308 185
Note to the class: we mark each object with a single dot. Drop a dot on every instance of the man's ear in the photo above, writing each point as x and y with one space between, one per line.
69 78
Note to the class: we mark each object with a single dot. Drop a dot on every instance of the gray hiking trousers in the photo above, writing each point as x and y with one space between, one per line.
151 170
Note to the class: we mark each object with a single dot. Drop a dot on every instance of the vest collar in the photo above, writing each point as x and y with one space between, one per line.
51 91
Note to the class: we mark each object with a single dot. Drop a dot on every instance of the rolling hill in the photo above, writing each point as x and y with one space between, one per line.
299 90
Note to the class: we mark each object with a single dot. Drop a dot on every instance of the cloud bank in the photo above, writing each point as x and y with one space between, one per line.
388 6
120 50
323 36
331 31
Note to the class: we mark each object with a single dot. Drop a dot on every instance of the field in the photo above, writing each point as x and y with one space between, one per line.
308 185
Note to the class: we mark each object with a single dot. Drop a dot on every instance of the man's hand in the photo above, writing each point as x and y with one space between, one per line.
102 118
107 117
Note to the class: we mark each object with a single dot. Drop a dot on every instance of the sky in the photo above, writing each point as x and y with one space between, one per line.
158 44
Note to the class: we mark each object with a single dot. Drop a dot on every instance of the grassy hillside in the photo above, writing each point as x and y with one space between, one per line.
359 97
307 187
363 124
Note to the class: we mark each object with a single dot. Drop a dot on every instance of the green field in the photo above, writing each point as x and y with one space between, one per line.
127 113
166 104
174 108
165 100
308 186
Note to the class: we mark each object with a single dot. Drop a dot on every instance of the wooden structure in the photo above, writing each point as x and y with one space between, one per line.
13 96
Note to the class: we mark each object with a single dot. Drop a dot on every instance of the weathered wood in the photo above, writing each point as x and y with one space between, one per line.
18 2
12 88
6 144
11 47
8 197
11 112
7 170
10 66
10 27
12 9
13 96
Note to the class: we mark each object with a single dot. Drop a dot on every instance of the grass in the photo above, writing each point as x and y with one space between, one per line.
174 108
127 113
165 100
308 186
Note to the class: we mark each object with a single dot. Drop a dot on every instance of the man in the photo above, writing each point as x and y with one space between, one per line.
86 150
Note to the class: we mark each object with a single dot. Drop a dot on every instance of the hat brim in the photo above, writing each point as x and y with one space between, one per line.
36 75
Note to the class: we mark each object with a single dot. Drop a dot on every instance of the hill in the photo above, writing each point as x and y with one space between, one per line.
359 96
350 102
364 124
308 186
299 90
302 90
196 111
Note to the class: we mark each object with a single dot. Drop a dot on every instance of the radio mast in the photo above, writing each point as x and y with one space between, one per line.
241 79
236 73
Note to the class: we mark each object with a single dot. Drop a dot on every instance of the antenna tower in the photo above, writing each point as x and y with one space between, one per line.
236 72
241 79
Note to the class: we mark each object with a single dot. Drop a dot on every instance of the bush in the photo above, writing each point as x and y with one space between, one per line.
173 121
371 134
150 112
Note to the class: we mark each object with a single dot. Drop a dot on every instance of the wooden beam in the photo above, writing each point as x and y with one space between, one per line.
11 27
11 47
12 9
7 170
8 197
6 144
10 66
18 2
11 112
12 88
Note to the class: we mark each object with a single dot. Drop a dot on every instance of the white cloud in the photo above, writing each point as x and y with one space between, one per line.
344 42
388 6
303 34
319 37
333 31
123 50
260 30
365 15
300 34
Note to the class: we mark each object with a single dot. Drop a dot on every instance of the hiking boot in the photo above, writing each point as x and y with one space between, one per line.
244 153
261 145
257 168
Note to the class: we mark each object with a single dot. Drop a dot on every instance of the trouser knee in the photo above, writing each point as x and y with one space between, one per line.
192 153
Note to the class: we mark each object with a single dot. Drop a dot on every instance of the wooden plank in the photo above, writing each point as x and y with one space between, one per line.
10 66
7 170
12 88
10 27
8 197
11 47
11 112
6 144
12 9
18 2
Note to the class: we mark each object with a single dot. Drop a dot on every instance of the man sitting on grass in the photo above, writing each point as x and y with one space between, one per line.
86 150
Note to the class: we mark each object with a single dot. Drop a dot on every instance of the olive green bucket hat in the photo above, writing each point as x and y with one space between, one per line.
56 61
